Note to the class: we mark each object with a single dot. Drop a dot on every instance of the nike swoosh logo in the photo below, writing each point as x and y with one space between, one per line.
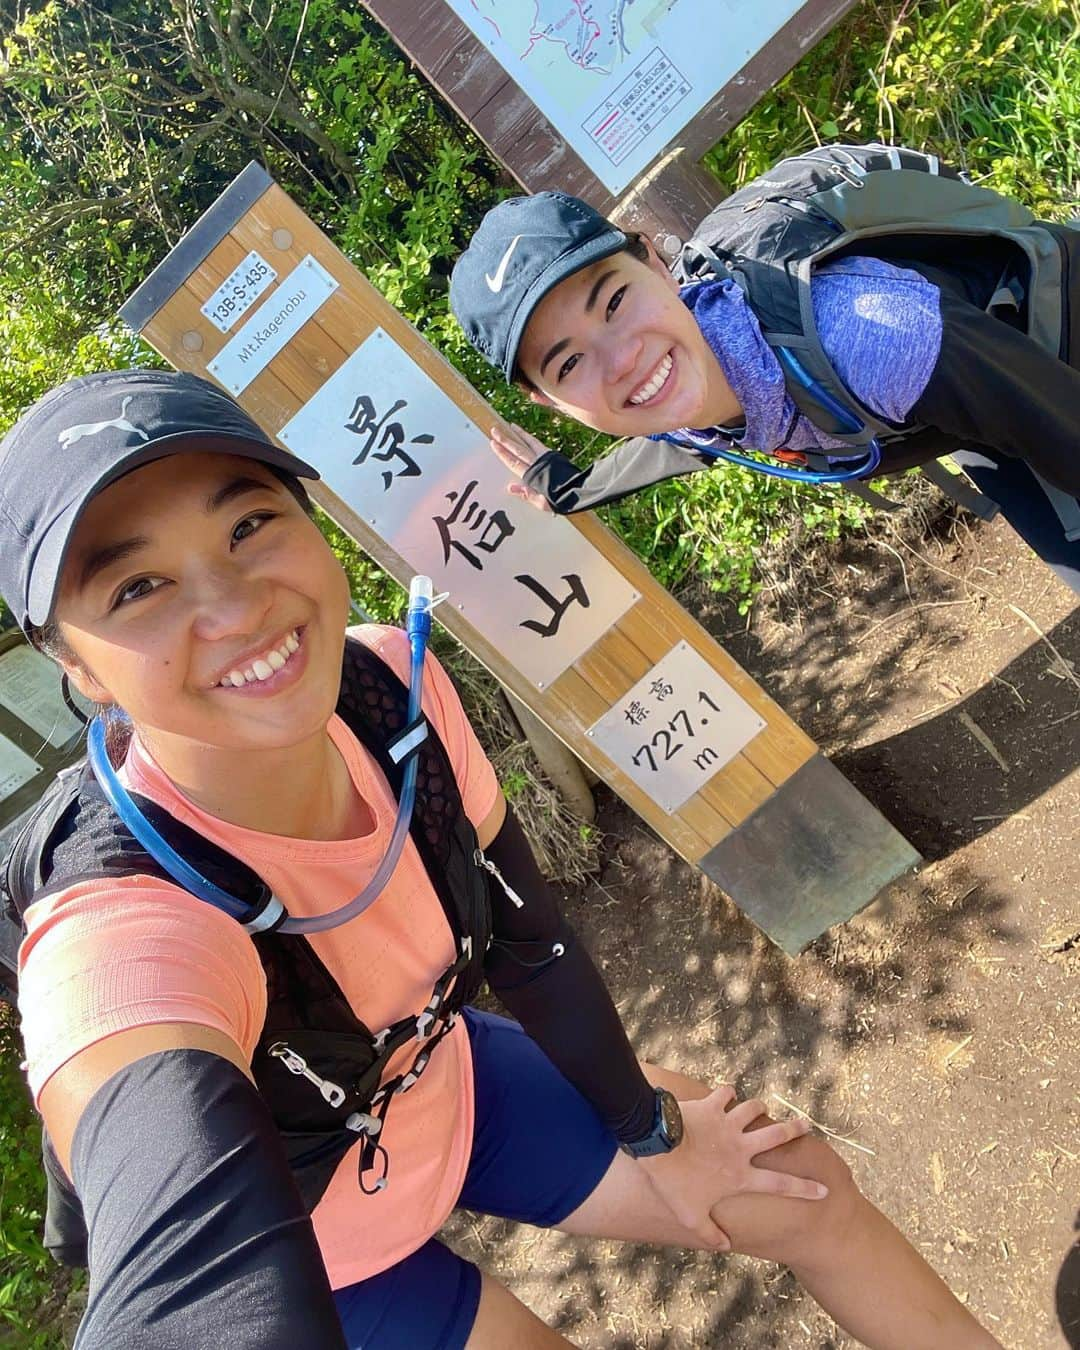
495 283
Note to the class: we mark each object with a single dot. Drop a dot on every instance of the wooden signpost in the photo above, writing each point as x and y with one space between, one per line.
613 102
567 618
39 736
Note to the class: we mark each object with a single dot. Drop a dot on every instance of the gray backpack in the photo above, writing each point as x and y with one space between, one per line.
893 203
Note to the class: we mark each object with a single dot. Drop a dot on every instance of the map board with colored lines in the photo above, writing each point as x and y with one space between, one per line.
619 79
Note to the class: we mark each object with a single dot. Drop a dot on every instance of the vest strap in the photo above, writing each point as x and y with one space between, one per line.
865 493
1065 507
960 490
408 741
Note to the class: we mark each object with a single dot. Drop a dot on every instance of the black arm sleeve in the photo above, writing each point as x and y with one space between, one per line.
198 1235
993 386
634 465
561 1001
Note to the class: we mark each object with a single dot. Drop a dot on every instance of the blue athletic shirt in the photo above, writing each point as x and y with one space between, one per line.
879 325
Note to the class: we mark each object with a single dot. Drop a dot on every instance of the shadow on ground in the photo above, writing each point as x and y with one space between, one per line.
926 779
1067 1293
922 1033
699 988
875 663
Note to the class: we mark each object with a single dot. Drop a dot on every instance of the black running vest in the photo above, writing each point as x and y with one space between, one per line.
319 1068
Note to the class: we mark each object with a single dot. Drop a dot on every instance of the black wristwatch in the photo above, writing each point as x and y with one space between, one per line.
666 1132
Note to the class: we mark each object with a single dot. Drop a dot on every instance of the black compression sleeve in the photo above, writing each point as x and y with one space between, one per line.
993 386
198 1235
630 467
561 1001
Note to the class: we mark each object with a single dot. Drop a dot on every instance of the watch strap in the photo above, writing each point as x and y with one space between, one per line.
657 1140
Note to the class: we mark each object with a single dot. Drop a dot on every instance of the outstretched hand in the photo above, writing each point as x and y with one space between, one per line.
715 1161
517 450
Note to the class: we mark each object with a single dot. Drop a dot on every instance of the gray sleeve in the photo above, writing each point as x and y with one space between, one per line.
636 464
198 1235
561 1002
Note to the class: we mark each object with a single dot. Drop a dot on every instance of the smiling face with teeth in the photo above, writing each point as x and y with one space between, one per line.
199 596
614 347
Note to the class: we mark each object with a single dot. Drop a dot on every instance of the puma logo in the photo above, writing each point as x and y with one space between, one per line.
70 435
495 283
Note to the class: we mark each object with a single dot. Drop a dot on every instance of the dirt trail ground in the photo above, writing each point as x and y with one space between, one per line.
937 1034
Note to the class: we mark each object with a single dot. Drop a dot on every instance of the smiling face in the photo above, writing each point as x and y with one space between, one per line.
199 596
614 347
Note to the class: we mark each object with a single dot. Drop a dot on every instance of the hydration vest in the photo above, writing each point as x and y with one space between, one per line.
899 205
319 1068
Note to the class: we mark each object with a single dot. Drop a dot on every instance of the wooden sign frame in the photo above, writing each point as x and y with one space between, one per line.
793 843
673 194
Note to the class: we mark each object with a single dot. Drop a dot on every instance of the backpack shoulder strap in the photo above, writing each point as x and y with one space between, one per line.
25 870
780 297
74 834
374 706
772 232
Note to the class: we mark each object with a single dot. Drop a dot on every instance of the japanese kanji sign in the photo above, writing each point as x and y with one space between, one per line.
392 445
676 727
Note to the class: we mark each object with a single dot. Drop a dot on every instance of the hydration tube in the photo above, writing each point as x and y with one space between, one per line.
863 469
418 628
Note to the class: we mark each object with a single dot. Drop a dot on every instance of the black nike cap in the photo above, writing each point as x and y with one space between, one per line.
524 247
86 434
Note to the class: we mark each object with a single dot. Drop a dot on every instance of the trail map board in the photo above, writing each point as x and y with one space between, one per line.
614 101
620 78
570 621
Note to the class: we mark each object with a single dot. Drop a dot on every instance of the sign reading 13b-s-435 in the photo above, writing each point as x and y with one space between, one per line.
402 455
239 291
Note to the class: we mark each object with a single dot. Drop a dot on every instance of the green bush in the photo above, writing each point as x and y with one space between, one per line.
993 88
27 1274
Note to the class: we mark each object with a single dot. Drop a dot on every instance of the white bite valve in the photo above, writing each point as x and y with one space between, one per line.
421 593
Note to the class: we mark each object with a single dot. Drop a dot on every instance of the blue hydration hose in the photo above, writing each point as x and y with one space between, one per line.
863 469
418 628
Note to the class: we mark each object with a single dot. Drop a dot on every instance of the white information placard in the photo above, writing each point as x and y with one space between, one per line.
238 292
16 768
393 446
619 79
30 688
679 725
278 318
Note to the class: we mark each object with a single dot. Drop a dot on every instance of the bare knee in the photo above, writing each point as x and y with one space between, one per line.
818 1227
798 1233
807 1234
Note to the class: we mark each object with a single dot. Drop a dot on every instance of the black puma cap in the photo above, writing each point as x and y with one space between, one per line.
84 435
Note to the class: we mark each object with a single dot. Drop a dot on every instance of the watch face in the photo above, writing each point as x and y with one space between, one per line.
671 1118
